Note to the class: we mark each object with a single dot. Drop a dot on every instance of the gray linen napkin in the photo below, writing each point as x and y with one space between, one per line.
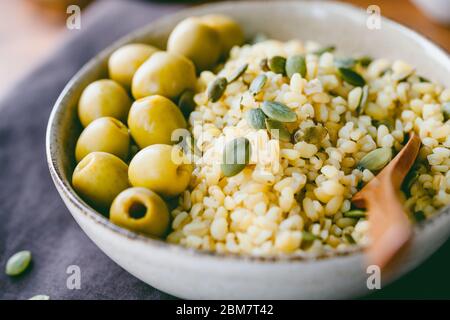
33 217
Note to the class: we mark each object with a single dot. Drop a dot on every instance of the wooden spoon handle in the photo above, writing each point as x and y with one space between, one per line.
390 227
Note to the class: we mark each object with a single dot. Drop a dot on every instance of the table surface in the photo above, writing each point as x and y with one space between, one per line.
405 12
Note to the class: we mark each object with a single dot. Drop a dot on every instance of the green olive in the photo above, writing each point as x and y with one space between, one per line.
103 98
161 168
99 178
140 210
124 62
230 31
196 41
104 134
164 73
153 120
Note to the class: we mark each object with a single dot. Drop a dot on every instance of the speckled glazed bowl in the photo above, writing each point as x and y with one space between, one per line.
188 273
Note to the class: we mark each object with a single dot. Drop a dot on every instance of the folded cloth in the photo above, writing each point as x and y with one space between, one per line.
33 217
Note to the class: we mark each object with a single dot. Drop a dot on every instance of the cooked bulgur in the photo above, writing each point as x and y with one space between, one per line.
293 196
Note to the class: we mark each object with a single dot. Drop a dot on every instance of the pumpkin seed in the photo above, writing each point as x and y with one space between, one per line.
256 119
238 73
446 110
278 111
386 71
346 222
263 64
376 159
355 214
409 180
365 61
419 216
324 49
236 155
352 77
350 63
389 123
349 238
278 130
296 64
186 102
259 37
308 236
298 136
277 64
258 84
40 297
344 62
314 135
217 88
134 149
218 68
364 97
18 263
360 185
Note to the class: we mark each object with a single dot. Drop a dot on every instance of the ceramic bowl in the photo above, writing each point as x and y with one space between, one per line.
188 273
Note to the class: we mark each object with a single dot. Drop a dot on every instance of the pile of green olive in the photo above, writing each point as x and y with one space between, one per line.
125 164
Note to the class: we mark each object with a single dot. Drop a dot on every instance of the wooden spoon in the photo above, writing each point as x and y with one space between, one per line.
390 227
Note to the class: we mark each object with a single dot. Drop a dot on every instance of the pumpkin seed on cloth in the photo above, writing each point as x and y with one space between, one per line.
277 64
40 297
278 130
296 64
278 111
376 159
351 77
238 73
258 84
355 214
217 88
256 118
18 263
236 155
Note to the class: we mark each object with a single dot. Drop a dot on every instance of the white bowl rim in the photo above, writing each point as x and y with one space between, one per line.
65 187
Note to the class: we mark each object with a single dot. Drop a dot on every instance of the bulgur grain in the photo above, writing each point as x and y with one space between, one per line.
294 188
